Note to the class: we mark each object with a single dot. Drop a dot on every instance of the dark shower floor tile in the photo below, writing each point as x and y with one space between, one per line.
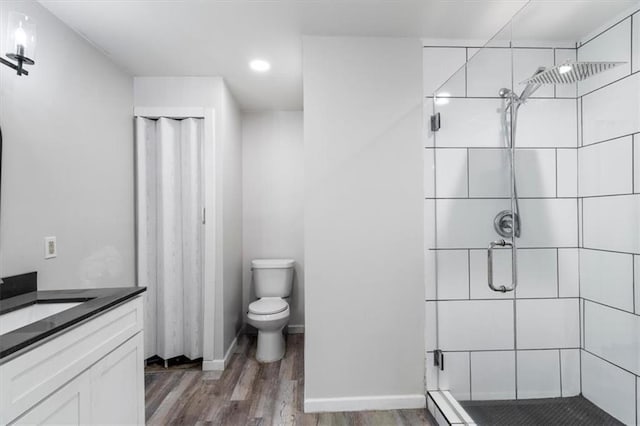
537 412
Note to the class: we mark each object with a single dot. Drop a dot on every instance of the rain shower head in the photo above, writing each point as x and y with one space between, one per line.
570 72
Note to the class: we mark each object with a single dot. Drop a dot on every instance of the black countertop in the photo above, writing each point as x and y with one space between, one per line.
94 300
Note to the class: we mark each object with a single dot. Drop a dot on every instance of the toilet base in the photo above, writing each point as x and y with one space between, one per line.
271 346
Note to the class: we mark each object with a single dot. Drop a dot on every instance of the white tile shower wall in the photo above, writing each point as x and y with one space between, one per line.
453 273
570 371
606 168
493 375
488 71
440 63
567 172
568 273
536 331
610 223
451 173
457 375
613 335
611 111
612 46
475 324
550 222
609 387
614 270
539 374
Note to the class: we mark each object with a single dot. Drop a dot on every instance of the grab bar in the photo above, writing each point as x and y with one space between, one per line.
492 245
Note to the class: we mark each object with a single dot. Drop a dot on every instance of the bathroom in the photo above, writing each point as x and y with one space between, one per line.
354 174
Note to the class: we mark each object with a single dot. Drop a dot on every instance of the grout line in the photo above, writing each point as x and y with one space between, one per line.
466 71
560 368
605 305
502 148
519 248
611 83
609 140
605 30
510 298
471 351
431 46
470 380
468 176
556 160
558 271
609 362
497 198
498 98
469 271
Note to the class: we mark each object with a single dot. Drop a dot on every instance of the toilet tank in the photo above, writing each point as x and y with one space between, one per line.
272 277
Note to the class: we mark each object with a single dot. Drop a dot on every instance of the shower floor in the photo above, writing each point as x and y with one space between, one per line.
552 411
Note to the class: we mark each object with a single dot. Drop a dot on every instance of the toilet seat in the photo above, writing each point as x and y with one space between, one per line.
268 306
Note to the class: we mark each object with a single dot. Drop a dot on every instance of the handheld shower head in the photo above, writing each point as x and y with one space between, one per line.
531 86
505 93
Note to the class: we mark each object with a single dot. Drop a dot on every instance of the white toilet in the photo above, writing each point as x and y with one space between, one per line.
273 280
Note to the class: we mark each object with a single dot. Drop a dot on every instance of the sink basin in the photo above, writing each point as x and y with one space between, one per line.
30 314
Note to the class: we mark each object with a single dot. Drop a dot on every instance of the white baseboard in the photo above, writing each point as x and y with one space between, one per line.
362 403
295 329
221 364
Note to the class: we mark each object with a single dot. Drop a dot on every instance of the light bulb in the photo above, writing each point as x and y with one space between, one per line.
442 98
563 69
260 65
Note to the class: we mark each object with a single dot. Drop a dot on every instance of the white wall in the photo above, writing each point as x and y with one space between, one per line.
609 184
211 92
231 125
364 293
273 198
67 161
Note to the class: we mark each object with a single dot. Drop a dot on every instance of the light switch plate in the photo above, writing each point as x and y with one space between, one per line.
50 247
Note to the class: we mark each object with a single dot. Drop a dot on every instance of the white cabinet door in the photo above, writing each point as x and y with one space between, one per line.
69 405
117 385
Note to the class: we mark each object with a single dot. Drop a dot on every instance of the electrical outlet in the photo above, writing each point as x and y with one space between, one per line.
50 247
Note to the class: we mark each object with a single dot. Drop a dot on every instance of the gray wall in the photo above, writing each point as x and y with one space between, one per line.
273 199
364 291
67 161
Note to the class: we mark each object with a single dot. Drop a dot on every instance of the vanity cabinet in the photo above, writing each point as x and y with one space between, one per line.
92 373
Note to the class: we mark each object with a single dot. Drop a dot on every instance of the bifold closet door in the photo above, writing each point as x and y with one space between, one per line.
170 235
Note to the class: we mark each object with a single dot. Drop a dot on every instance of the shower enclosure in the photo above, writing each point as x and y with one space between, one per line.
532 222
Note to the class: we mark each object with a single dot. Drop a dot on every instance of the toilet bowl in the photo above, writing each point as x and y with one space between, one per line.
270 321
273 280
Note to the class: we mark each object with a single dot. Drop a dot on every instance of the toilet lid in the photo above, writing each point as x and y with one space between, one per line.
268 305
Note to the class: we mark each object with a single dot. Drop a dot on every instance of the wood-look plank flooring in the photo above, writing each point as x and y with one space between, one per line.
250 393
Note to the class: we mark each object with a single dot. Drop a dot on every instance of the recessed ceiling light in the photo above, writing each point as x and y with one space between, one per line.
260 65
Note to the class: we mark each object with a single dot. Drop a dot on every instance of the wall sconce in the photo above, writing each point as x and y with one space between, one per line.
21 42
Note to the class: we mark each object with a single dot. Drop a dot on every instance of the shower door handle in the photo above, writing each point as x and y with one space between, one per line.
492 245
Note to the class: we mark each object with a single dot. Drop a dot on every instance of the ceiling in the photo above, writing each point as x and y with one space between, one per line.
220 37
